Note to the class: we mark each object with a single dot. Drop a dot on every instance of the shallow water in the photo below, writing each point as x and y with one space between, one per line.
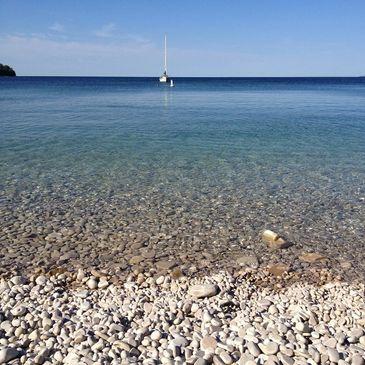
100 168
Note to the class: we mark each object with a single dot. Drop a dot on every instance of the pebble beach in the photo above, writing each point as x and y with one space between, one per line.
171 314
221 222
83 318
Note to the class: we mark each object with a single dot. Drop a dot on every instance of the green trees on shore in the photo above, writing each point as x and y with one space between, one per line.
6 70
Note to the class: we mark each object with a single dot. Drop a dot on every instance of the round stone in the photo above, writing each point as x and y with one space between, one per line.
41 280
155 335
180 341
92 283
269 348
208 344
203 290
302 327
160 280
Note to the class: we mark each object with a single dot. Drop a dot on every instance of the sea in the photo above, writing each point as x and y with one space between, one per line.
94 170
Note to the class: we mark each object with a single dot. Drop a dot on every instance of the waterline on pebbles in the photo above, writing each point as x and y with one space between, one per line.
64 319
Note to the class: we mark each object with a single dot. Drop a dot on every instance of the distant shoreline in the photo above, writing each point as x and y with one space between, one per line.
201 77
6 70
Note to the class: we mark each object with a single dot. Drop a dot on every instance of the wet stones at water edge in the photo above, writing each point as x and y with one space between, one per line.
196 249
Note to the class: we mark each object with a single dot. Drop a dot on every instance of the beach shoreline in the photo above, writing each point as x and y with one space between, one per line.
85 318
117 197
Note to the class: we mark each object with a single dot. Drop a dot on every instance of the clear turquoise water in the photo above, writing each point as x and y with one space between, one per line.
237 155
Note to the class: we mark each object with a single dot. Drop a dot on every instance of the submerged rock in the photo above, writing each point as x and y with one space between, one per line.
278 269
312 257
136 260
248 260
273 240
165 265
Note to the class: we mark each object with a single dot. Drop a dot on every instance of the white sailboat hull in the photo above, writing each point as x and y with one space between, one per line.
164 78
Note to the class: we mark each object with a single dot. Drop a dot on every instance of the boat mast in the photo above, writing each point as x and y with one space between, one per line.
165 55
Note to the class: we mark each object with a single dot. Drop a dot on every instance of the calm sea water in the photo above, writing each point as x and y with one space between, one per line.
211 160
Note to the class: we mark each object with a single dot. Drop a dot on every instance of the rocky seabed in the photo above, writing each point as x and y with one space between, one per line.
84 319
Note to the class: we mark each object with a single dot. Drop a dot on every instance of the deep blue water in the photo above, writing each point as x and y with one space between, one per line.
277 152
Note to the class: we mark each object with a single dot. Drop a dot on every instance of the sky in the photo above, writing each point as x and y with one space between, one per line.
205 37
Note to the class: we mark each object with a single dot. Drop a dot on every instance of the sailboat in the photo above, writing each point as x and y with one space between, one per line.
165 77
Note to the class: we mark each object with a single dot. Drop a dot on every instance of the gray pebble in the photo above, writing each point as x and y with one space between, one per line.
9 353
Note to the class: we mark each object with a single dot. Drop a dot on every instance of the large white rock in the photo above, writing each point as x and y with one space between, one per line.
41 280
203 290
155 335
103 283
92 283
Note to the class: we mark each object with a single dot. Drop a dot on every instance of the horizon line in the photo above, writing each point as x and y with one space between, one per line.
196 77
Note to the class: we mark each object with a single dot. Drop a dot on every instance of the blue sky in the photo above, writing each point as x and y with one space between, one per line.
206 37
